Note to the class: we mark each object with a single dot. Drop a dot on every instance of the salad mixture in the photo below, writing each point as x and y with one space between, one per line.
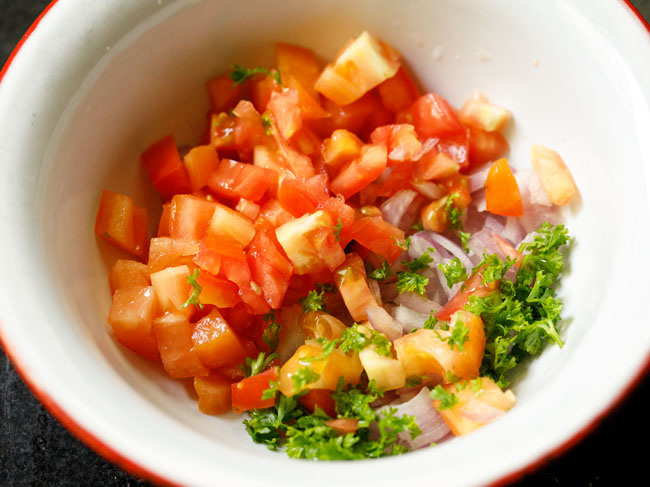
351 262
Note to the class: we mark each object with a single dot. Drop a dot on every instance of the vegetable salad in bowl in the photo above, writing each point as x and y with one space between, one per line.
350 262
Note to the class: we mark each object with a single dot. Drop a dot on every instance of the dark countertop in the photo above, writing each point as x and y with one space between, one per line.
35 450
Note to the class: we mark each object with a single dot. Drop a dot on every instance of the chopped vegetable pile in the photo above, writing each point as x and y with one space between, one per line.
350 262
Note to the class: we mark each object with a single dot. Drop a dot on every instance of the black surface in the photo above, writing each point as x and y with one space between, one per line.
35 450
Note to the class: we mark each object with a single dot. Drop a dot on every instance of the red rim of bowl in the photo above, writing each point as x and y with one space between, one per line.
112 455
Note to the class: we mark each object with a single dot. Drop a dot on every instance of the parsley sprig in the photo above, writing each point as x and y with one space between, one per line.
192 280
240 74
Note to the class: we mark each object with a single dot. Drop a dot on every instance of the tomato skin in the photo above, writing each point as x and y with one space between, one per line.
502 195
379 236
163 164
234 180
360 172
247 393
434 117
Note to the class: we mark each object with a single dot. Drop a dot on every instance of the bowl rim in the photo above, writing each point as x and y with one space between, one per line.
99 446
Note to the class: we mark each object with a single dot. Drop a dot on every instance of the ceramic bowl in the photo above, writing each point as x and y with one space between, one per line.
96 82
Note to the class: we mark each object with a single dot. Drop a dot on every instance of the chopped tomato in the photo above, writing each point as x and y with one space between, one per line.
174 336
131 317
360 172
379 236
189 217
286 112
299 62
234 180
121 223
457 147
214 393
215 342
247 393
199 162
502 194
217 291
321 398
163 164
485 146
399 92
224 93
269 268
459 186
434 117
128 273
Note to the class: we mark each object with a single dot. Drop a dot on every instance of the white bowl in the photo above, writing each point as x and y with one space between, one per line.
96 82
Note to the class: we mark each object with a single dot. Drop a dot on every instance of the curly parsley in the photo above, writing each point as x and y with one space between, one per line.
314 301
454 271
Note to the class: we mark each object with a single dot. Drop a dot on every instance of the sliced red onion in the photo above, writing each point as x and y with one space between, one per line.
429 189
384 323
494 223
480 411
417 303
421 242
429 421
478 200
427 146
408 318
455 249
476 180
395 207
375 290
480 242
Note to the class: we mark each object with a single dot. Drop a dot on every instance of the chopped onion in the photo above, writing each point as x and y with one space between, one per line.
429 189
384 323
417 303
478 200
375 290
427 146
395 208
455 249
512 231
476 180
430 422
408 318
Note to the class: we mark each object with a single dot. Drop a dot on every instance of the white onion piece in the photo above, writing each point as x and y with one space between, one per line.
478 200
480 411
417 303
429 189
512 232
429 421
530 181
395 207
455 249
384 323
408 318
476 180
534 214
494 223
427 146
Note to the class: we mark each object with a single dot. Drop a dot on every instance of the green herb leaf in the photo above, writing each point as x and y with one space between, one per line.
303 377
255 366
412 282
447 399
454 271
404 244
196 291
421 262
314 301
240 74
381 273
337 229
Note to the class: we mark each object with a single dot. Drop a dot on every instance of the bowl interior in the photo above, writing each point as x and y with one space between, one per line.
569 86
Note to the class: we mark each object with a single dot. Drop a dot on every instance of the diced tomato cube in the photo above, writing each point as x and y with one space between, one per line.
199 163
379 236
285 109
247 393
222 132
502 195
300 62
434 165
340 148
269 268
169 252
399 92
459 185
215 342
260 91
273 212
174 335
224 93
171 287
456 147
321 398
121 224
128 273
131 316
399 178
163 223
236 180
163 163
248 208
350 117
434 117
190 217
214 393
230 225
360 172
217 291
485 146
